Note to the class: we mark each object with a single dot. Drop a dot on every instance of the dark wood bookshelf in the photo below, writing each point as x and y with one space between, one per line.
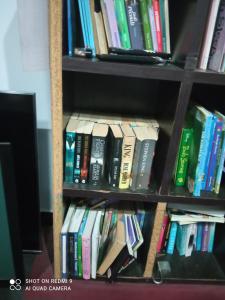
161 92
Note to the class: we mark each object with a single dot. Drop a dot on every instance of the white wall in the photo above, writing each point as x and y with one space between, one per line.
16 75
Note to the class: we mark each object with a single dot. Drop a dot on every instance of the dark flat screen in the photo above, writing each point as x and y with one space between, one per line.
18 126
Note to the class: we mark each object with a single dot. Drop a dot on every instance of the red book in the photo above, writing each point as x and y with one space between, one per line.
163 233
156 8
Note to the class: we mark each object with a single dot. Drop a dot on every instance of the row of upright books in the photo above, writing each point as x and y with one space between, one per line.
188 228
212 55
103 149
101 241
126 24
201 155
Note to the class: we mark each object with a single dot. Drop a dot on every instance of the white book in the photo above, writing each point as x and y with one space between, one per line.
95 241
191 238
86 244
206 46
64 240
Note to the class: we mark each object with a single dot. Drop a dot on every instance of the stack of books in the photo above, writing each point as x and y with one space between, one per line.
119 151
121 24
189 228
202 151
101 241
212 55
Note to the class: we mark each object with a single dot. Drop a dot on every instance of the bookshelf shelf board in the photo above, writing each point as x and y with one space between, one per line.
200 267
88 191
205 198
208 77
85 65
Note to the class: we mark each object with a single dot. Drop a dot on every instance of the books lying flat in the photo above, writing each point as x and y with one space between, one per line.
116 244
64 241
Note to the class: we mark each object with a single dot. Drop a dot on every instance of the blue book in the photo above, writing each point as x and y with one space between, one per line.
181 239
214 153
209 151
199 236
71 26
83 23
221 156
172 238
90 26
212 229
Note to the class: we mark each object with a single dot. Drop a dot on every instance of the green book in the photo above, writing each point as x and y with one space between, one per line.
183 156
163 23
146 25
122 23
79 244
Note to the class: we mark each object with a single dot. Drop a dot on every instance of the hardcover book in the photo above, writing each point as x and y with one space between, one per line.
156 9
127 156
98 152
146 25
134 24
115 152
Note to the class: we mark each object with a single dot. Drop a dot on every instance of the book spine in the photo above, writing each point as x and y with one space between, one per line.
218 43
172 238
211 139
86 257
152 25
94 255
97 162
126 162
71 254
85 158
214 152
199 236
83 23
77 158
145 164
183 157
204 56
181 239
114 173
64 262
122 23
134 24
202 157
76 254
134 172
69 161
212 229
156 9
71 26
79 254
162 236
163 24
146 25
205 237
90 26
106 23
220 165
100 31
167 21
113 23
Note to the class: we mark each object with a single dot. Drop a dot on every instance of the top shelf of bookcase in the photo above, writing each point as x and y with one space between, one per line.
166 72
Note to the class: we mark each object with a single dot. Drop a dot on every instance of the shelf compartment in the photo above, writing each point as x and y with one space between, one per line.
198 267
85 65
